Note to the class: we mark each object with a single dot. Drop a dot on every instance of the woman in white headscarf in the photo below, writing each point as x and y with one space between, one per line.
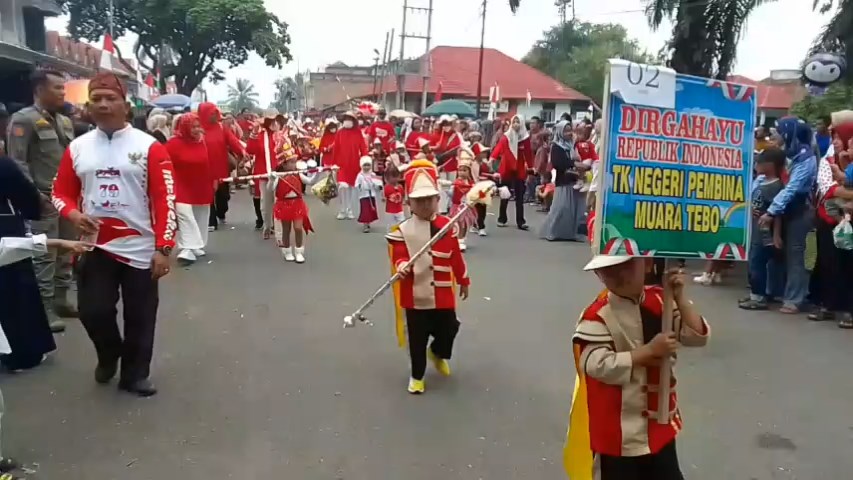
514 157
158 127
568 208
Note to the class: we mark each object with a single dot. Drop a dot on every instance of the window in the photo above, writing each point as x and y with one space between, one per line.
548 112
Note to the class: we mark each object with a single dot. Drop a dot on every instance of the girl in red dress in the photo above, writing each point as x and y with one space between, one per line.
461 186
365 186
290 211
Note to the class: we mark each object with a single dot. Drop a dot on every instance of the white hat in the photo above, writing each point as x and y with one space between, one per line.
445 119
332 120
422 142
365 160
271 114
604 261
399 145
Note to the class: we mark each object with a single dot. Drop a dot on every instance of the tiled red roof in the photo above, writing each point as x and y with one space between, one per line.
456 69
773 96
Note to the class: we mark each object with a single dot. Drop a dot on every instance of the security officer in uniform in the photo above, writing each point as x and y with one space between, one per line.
37 138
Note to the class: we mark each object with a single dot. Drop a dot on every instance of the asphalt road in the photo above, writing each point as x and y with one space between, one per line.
259 381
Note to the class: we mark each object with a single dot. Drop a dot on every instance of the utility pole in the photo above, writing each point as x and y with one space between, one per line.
428 69
480 70
112 14
404 34
381 71
375 70
385 68
401 72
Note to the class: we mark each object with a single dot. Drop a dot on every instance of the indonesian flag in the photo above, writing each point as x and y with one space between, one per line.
438 92
107 53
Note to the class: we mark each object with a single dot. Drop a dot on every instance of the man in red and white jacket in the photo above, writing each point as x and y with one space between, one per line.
115 184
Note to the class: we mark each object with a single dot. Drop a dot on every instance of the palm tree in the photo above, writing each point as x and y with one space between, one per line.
513 5
242 95
705 32
837 35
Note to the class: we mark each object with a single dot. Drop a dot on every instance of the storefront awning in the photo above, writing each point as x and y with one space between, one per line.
39 59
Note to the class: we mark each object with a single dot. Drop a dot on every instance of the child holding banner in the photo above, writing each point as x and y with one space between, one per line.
608 438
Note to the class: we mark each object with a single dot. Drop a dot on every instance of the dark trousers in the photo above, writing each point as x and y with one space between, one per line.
660 466
828 270
441 325
517 187
99 282
760 257
481 216
219 207
259 216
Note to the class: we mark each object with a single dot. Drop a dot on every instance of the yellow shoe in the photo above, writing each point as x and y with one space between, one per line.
440 364
416 386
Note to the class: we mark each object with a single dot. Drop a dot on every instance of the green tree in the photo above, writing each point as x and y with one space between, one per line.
242 95
576 54
186 38
837 34
290 93
704 33
837 97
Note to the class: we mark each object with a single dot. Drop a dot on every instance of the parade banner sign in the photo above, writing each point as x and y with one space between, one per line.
677 165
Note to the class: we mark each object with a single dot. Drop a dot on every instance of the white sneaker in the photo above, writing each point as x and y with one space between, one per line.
704 279
187 256
350 215
341 215
482 232
717 278
462 245
287 252
300 255
211 229
199 252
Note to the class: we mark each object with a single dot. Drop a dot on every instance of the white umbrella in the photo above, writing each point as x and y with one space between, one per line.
401 114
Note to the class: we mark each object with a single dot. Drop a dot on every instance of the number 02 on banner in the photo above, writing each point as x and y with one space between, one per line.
641 84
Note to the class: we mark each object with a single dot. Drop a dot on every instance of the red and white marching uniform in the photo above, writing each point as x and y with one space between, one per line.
622 398
126 181
289 202
426 293
431 284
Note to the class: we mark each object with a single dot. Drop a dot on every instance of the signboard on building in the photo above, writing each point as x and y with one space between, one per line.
678 165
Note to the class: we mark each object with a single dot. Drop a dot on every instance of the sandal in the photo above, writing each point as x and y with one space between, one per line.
821 315
789 310
753 305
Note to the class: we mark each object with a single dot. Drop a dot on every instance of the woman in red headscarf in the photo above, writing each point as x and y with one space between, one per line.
327 142
194 186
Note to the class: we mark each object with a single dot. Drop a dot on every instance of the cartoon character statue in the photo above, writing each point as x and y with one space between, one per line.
822 70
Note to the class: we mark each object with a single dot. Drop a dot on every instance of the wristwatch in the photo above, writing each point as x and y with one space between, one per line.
165 250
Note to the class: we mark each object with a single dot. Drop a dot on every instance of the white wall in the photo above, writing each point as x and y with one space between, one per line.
533 110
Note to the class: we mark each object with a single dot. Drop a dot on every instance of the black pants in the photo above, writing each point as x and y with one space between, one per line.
481 216
100 279
830 278
219 207
441 325
660 466
518 188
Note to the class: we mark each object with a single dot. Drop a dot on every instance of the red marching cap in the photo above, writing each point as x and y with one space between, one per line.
421 179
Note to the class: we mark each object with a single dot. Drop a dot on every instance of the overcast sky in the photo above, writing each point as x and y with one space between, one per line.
777 35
